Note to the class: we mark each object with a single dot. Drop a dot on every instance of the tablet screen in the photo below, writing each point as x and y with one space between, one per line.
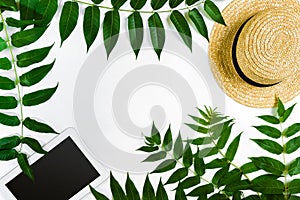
59 175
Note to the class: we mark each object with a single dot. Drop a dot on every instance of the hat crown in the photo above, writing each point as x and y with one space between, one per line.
268 46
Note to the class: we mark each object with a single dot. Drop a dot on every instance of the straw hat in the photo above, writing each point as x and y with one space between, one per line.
256 57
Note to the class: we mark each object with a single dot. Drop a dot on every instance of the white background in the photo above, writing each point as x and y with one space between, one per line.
69 58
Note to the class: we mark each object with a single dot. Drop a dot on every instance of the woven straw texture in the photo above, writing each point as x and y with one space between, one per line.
267 51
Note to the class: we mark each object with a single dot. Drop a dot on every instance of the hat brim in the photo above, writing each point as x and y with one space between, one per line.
221 62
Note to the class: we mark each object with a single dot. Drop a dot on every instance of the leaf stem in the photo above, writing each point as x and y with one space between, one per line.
286 195
140 11
17 81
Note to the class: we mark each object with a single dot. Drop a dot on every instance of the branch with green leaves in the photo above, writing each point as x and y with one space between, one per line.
111 22
201 169
33 23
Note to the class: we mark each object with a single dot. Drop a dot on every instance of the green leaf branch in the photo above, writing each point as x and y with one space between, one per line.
190 164
111 22
35 17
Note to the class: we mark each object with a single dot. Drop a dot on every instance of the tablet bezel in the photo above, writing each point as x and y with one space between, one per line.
7 195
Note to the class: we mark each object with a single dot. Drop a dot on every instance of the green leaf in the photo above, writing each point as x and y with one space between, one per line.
199 120
188 156
216 163
252 197
8 102
182 27
267 184
287 113
148 191
8 5
294 186
218 196
205 115
9 142
294 167
180 195
34 56
161 193
166 165
9 120
231 151
36 126
12 22
294 197
97 1
190 2
27 9
273 197
157 4
5 64
178 148
111 29
91 25
137 4
24 165
199 129
280 108
68 19
168 141
8 154
269 165
237 195
269 145
116 189
249 168
230 177
269 131
97 195
35 75
178 175
204 189
6 83
157 33
34 145
219 174
131 191
38 97
199 165
270 119
155 135
174 3
26 37
156 156
199 22
148 149
292 130
237 185
3 44
209 151
136 32
190 182
45 11
213 11
292 145
117 3
1 26
225 134
201 141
